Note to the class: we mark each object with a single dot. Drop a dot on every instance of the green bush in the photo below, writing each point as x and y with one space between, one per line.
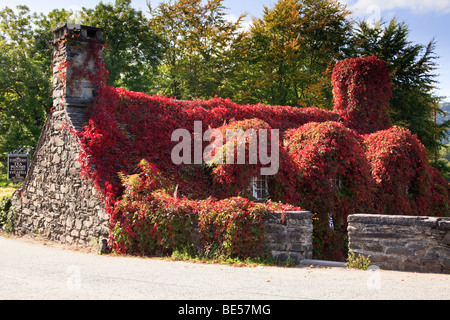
358 261
6 214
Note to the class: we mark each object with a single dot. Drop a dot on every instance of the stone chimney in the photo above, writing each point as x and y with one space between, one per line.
76 48
55 202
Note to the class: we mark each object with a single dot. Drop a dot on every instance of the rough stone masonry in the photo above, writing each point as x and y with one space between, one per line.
54 202
405 243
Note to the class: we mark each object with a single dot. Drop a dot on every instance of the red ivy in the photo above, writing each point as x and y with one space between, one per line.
149 220
362 90
406 183
330 175
327 166
230 179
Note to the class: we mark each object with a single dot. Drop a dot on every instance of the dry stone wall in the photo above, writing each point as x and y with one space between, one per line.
405 243
289 235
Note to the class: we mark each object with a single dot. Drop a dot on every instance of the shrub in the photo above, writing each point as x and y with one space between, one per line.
147 220
153 222
6 214
358 261
401 172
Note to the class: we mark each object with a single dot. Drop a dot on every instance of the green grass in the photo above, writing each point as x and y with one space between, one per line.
7 213
6 187
6 191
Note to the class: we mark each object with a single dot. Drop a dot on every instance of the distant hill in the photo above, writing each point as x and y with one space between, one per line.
445 106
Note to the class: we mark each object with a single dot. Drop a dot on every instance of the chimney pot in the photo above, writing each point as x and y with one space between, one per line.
81 32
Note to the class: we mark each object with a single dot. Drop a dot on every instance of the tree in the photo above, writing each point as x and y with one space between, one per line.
133 51
414 104
293 47
25 63
198 42
25 86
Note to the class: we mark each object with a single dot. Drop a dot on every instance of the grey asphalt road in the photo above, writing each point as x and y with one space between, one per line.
33 270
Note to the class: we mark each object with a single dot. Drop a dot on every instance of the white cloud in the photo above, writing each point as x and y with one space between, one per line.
76 14
245 24
364 8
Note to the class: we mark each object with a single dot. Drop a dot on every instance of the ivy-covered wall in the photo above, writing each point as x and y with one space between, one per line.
332 163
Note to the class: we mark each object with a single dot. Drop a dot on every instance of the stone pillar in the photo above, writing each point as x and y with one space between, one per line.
72 61
76 49
289 235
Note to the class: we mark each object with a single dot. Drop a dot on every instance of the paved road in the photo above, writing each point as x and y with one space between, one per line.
30 270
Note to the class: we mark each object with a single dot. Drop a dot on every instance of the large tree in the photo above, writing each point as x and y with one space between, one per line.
198 44
292 49
25 76
25 62
133 51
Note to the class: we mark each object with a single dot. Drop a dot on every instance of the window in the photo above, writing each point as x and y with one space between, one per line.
260 187
337 182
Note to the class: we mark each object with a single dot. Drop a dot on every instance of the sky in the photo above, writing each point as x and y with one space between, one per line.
427 19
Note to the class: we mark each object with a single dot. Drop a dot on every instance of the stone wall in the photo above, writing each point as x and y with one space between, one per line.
54 202
416 244
289 235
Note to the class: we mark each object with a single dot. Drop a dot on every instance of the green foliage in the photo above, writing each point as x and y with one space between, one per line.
192 254
25 94
358 261
133 51
443 161
198 44
290 52
3 177
25 59
6 214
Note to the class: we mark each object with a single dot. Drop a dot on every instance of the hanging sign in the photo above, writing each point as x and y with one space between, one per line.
18 165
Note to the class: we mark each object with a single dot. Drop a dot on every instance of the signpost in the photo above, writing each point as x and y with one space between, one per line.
18 165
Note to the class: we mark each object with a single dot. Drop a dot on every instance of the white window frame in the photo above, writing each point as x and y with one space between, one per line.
259 186
337 181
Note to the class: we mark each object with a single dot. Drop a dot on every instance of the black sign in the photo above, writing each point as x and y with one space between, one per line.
18 167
